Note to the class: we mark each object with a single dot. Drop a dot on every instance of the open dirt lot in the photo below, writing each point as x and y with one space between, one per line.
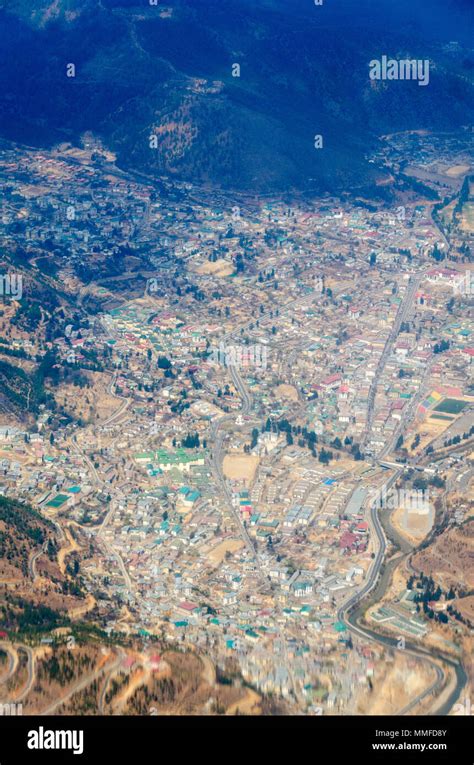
240 467
217 554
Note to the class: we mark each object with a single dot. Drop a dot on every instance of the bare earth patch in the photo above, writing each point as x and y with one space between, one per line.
240 467
287 391
217 554
218 268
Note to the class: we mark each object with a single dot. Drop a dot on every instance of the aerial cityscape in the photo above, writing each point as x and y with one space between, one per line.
236 420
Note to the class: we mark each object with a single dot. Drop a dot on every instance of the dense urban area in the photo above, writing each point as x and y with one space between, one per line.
236 440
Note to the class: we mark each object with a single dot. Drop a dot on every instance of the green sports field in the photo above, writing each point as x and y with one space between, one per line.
450 406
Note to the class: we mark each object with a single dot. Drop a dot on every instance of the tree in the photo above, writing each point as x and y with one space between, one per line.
420 484
440 347
325 456
437 254
254 440
191 441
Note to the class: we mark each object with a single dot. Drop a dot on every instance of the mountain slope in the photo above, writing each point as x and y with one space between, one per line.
142 71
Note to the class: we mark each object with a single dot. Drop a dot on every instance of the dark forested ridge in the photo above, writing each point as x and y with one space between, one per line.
167 69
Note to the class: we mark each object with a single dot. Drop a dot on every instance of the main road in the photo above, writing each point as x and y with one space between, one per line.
349 612
12 661
217 456
402 313
12 650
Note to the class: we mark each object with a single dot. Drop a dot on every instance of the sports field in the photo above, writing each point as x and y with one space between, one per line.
450 406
